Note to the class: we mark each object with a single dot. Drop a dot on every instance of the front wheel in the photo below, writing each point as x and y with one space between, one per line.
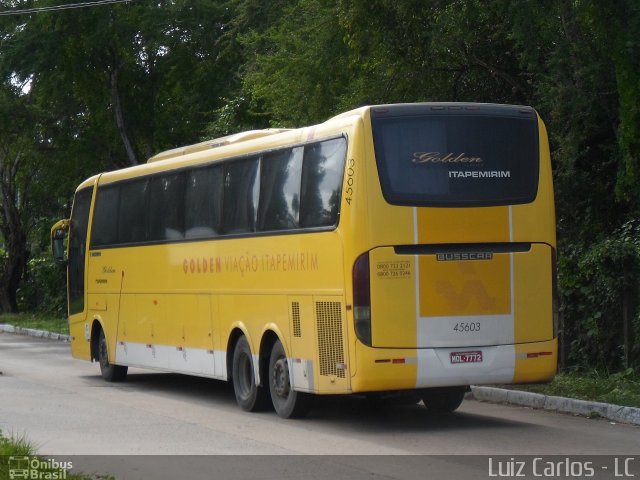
444 399
250 396
287 402
109 371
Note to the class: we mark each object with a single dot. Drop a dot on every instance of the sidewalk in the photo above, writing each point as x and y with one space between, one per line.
615 413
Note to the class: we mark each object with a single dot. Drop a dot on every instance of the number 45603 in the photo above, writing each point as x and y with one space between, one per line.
463 327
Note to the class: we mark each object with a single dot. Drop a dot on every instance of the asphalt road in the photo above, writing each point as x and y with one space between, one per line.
64 407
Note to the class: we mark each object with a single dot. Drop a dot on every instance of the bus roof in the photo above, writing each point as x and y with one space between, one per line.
216 142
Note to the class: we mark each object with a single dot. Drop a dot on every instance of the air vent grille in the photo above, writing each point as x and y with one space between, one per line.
295 317
330 344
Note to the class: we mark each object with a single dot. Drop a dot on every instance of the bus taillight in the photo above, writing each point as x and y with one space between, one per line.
362 299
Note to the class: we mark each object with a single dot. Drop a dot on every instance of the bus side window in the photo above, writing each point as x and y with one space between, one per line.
279 205
203 202
322 173
132 212
240 196
166 197
105 217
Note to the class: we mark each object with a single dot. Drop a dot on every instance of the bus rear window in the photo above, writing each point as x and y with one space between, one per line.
458 158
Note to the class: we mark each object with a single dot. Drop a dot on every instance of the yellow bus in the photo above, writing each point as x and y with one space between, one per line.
401 249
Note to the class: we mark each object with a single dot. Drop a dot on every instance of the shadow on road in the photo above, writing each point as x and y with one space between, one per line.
348 412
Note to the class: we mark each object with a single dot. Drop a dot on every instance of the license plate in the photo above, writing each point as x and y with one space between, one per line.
466 357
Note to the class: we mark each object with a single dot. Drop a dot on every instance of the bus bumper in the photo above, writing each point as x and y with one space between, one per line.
380 369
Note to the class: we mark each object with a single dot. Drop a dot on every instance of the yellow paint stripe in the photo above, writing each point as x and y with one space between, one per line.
474 225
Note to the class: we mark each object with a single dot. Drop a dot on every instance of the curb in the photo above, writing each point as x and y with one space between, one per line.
586 408
32 332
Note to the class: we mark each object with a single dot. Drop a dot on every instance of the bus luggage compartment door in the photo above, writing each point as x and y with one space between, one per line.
431 296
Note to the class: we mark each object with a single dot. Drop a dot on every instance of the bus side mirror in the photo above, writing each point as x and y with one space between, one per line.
58 236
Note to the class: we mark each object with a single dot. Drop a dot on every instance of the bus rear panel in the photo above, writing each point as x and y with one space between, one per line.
462 249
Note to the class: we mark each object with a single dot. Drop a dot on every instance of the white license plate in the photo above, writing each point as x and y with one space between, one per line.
466 357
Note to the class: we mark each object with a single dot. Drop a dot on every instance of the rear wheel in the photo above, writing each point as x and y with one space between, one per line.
250 396
287 402
109 371
445 399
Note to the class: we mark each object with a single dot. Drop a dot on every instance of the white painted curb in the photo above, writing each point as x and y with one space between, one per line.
32 332
615 413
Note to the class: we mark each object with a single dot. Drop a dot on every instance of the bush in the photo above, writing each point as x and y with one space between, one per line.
44 288
592 289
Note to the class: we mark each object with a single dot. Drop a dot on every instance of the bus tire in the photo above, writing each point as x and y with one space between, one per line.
287 402
443 400
109 371
249 396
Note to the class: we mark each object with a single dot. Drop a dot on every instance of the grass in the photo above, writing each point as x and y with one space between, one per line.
20 447
14 446
621 388
38 321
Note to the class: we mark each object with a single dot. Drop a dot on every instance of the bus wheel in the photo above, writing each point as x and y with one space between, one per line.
287 402
446 399
109 371
249 396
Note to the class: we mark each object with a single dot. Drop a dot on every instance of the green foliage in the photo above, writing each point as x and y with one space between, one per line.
127 80
44 288
431 51
622 388
592 284
298 69
236 115
13 446
37 321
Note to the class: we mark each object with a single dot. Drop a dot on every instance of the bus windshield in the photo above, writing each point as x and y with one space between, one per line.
459 157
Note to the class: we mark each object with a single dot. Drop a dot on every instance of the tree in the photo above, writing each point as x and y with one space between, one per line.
295 61
15 182
143 76
93 89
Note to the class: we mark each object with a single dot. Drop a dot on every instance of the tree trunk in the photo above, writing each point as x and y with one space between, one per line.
12 274
119 114
16 248
13 233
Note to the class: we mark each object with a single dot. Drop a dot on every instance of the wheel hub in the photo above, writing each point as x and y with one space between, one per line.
281 383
